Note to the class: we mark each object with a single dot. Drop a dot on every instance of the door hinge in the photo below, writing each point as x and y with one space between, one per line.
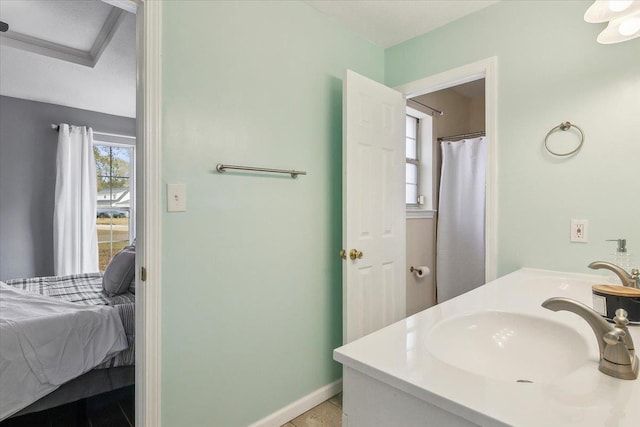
143 274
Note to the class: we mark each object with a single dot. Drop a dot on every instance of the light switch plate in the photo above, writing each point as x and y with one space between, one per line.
176 198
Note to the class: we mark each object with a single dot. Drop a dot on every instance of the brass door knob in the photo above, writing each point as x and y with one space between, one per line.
343 254
355 254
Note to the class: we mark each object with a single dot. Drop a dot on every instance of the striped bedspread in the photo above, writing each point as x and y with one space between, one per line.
87 289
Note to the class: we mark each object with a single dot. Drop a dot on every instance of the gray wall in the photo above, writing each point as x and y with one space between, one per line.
27 179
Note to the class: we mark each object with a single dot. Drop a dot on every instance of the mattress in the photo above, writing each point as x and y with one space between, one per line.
87 289
46 342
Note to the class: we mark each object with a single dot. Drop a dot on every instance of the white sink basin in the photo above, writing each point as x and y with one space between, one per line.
508 346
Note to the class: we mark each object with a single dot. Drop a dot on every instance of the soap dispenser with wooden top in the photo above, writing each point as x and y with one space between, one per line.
608 298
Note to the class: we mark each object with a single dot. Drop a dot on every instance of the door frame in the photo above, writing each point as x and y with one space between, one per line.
149 209
487 69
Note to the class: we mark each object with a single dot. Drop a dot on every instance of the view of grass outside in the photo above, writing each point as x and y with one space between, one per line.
113 167
113 235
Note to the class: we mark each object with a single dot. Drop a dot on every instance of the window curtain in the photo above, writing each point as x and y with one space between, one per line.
460 247
75 237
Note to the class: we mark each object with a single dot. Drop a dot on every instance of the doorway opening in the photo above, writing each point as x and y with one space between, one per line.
459 105
116 206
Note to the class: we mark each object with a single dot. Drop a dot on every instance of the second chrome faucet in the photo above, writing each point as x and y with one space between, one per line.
631 280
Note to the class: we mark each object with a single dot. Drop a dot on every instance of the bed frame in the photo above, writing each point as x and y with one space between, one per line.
92 383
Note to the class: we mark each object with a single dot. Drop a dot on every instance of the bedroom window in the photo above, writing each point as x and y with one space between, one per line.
115 210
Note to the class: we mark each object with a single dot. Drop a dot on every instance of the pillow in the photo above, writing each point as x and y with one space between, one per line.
132 248
120 272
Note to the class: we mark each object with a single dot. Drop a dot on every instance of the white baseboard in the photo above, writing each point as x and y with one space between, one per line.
300 406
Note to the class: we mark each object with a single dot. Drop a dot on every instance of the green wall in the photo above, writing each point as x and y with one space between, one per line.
550 69
251 287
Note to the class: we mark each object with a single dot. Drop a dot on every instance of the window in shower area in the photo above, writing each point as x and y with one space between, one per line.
412 162
418 147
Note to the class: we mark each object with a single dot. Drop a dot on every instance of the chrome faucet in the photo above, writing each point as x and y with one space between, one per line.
631 280
617 353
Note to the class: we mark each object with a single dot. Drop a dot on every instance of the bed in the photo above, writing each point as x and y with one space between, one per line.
108 346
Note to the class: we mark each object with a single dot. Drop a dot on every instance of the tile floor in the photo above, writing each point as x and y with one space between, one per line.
326 414
116 410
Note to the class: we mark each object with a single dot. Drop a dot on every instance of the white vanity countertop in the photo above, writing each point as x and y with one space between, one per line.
398 355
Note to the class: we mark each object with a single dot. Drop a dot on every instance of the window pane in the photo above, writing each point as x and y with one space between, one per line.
412 125
120 161
119 193
106 252
113 233
102 154
411 194
411 149
113 210
412 174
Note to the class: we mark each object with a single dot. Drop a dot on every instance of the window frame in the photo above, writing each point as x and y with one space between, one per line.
106 141
424 151
415 161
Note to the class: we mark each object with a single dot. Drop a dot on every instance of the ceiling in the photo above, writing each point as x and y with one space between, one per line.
389 22
81 53
473 89
45 19
77 53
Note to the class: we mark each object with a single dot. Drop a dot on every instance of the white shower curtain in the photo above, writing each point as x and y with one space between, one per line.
75 237
460 248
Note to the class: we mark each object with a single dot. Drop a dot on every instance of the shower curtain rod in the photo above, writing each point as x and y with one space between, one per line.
117 135
461 136
440 113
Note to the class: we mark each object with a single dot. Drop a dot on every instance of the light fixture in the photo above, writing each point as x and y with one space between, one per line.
623 18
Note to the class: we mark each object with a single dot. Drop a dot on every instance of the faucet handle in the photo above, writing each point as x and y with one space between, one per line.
621 321
614 336
622 318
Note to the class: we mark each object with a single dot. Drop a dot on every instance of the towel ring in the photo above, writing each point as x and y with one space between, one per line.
564 126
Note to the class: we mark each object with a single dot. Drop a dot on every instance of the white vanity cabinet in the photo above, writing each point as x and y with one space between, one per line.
369 402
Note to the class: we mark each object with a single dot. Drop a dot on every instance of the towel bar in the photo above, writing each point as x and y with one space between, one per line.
294 173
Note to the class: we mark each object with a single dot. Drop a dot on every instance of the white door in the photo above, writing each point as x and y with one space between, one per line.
373 206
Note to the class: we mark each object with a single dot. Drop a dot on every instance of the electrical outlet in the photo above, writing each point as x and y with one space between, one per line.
579 230
176 198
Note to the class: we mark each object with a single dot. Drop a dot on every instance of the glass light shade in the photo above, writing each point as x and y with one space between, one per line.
608 10
621 29
619 5
629 26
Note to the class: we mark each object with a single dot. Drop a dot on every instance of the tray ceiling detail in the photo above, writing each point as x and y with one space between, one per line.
72 31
